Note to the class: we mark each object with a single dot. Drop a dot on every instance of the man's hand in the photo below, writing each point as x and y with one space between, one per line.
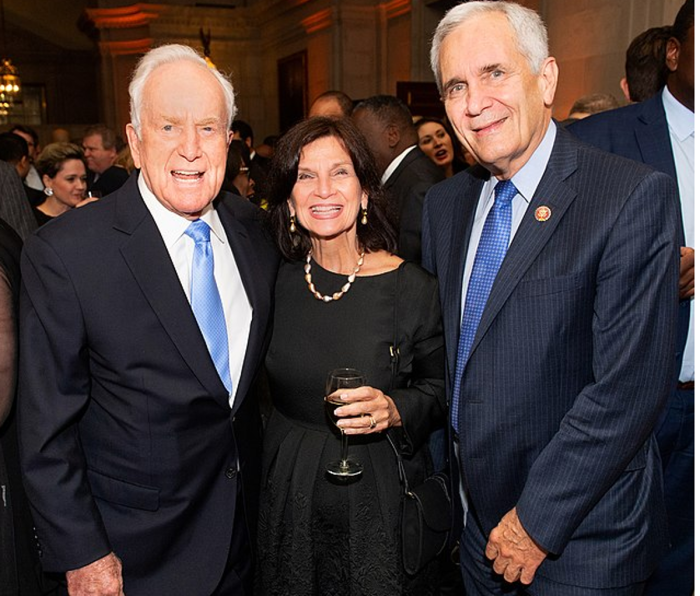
687 285
100 578
514 554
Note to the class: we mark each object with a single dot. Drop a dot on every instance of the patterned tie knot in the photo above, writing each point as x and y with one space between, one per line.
199 231
505 191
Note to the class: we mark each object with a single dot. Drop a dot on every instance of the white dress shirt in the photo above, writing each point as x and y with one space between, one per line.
681 128
526 181
238 311
395 163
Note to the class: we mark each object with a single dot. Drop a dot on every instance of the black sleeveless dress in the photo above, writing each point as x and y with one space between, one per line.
318 536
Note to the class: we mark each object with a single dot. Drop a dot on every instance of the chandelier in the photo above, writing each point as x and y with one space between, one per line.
10 85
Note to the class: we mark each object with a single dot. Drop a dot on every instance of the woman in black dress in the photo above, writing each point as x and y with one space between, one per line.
343 300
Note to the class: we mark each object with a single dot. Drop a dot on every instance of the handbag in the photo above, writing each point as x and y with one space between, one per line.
426 517
426 510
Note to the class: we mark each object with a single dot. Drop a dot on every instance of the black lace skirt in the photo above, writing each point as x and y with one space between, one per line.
321 537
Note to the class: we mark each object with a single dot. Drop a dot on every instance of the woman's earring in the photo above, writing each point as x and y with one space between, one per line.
48 191
292 225
363 221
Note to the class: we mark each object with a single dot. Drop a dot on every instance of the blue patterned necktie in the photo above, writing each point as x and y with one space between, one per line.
206 302
489 256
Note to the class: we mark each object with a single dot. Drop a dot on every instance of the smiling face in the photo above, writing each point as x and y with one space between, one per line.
327 195
499 108
184 137
69 184
436 143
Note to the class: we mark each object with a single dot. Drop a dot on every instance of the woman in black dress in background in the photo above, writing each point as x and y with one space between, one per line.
343 300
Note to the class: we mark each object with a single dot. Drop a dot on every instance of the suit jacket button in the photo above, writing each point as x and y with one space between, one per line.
230 473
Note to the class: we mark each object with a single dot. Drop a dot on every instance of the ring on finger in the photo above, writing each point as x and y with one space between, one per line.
372 423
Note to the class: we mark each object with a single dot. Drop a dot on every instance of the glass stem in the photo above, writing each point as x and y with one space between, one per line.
343 449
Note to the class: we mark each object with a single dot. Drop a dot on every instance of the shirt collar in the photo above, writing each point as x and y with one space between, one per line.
680 119
170 224
527 178
395 163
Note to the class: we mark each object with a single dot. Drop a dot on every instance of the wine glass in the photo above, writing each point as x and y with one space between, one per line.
338 379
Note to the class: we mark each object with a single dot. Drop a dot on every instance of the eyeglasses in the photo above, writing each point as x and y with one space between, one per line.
244 170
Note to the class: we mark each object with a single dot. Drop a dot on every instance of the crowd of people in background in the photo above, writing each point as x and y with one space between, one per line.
519 302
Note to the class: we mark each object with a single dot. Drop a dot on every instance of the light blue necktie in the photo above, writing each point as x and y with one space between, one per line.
489 256
206 302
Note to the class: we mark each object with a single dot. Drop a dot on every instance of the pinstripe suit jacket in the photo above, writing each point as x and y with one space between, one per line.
639 132
571 361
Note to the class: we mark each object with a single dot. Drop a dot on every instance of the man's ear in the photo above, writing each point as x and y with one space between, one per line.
134 144
624 85
673 52
393 135
549 76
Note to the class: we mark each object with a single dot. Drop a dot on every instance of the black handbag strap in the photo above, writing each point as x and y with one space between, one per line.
395 355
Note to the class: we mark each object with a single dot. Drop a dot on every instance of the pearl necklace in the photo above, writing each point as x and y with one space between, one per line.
344 290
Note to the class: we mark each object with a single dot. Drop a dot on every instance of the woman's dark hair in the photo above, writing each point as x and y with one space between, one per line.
458 163
237 151
54 155
377 234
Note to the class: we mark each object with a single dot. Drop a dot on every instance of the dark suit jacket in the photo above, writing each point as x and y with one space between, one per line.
571 362
128 441
639 132
110 180
407 186
14 207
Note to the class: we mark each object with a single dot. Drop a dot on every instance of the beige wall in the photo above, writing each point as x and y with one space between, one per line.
362 47
589 39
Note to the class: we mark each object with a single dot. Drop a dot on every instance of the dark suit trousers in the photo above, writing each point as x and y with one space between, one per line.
238 576
480 579
675 436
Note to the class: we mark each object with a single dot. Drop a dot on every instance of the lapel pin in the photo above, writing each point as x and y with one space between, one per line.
543 213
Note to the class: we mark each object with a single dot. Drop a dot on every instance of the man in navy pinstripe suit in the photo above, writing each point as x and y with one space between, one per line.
573 352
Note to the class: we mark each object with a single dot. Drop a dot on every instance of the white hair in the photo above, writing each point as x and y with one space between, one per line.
168 54
529 31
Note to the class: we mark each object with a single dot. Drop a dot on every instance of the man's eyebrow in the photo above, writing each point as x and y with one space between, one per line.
210 120
491 67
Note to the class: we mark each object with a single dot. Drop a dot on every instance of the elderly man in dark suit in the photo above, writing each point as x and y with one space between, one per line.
407 173
661 133
558 271
144 319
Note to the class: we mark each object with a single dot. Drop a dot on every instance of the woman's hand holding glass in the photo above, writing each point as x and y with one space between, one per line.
368 410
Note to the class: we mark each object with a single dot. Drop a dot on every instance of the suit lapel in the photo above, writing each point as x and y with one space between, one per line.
245 255
463 212
533 235
653 139
161 286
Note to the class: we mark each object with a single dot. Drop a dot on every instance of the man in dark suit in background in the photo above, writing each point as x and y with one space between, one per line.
645 64
144 319
407 173
101 146
661 133
558 273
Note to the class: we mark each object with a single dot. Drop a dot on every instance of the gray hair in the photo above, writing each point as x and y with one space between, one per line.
529 31
168 54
